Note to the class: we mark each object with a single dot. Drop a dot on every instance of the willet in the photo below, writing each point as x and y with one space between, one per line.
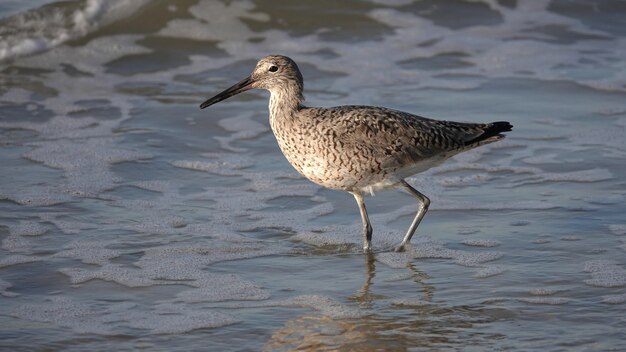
357 149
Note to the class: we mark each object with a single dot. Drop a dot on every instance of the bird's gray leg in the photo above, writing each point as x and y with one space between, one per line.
423 202
367 227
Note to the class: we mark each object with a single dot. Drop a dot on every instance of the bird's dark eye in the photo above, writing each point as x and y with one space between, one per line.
273 68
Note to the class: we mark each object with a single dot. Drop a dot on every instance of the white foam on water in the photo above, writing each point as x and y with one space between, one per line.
90 59
63 311
462 181
475 242
581 176
224 234
273 184
394 259
320 239
260 188
495 300
81 148
605 273
617 229
529 175
426 248
171 265
447 204
486 48
349 238
476 258
40 29
215 167
242 128
35 196
27 228
489 271
614 299
89 252
177 319
513 48
121 274
297 220
545 300
539 300
195 257
69 227
325 305
545 291
63 127
17 244
15 259
549 158
409 302
111 319
222 287
188 262
207 26
86 163
464 230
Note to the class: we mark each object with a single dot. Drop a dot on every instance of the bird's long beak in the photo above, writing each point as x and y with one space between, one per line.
242 86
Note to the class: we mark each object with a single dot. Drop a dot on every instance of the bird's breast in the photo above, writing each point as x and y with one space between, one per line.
320 155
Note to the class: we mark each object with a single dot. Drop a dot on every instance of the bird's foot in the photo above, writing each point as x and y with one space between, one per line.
401 248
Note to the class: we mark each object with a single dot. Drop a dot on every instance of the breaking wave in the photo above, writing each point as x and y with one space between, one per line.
48 26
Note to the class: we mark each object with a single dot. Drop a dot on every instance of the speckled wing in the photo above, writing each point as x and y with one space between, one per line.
395 139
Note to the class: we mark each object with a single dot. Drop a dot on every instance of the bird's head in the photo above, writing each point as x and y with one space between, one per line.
276 73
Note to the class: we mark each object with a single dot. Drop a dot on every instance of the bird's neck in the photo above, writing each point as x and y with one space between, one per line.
285 101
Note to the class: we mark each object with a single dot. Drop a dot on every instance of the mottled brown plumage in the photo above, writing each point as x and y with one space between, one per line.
357 149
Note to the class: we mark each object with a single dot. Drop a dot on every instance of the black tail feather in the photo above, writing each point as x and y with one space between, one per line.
491 130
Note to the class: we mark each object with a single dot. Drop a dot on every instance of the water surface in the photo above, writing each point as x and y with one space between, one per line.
130 218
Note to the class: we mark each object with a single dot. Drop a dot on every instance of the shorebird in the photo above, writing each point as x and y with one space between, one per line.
357 149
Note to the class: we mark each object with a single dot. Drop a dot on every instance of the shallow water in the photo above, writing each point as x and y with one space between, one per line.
130 218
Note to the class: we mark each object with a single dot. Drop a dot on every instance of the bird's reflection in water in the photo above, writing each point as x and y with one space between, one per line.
365 297
410 322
